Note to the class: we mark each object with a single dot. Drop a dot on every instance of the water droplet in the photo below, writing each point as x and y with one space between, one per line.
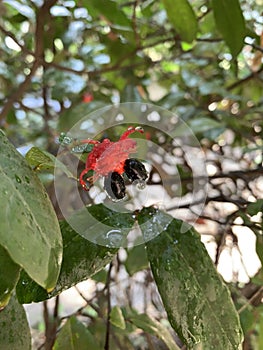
6 291
114 237
24 283
175 241
18 179
64 139
140 184
82 148
27 179
168 265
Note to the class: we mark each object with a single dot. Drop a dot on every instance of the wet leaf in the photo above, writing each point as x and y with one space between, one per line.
81 258
182 17
116 317
256 207
202 124
153 327
9 274
230 22
75 336
197 302
15 332
136 260
29 229
42 160
109 10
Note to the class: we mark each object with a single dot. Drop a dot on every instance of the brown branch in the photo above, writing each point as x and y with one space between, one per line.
107 336
134 24
50 324
41 18
258 293
256 47
234 175
239 202
246 79
13 37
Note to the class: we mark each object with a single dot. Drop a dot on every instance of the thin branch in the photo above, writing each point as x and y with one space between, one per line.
256 47
250 301
41 17
134 24
107 337
209 40
13 37
239 202
245 80
51 324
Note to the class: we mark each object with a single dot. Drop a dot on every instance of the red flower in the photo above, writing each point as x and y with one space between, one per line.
111 160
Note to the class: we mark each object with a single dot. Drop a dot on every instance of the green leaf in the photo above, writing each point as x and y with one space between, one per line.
75 336
153 327
130 93
197 302
231 24
42 160
15 332
182 17
29 229
260 333
81 258
256 207
116 317
136 260
203 124
103 226
23 9
259 247
110 11
9 274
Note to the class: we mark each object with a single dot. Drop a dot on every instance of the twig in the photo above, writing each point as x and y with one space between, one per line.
41 18
50 325
107 337
254 296
134 24
244 80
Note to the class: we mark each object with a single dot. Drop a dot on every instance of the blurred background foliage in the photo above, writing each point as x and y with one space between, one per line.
61 60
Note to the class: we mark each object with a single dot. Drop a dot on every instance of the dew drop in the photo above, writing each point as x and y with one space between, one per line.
114 238
168 266
140 184
18 179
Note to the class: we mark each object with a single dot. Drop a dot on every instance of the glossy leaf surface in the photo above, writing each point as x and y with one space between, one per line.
153 327
42 160
81 258
230 22
9 274
116 317
197 302
75 336
179 13
29 229
15 332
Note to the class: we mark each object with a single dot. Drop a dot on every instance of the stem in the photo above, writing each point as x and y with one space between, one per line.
107 337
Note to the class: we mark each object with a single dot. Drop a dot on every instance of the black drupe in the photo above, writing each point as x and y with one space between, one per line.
135 170
114 185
